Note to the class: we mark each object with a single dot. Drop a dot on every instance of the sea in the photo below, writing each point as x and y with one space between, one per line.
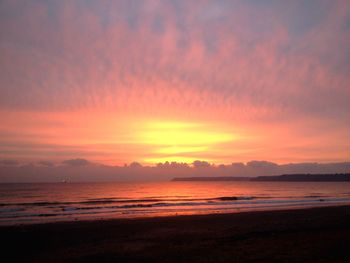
53 202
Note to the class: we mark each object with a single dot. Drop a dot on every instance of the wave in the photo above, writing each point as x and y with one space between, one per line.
74 211
10 210
232 198
13 214
152 202
120 200
314 196
204 203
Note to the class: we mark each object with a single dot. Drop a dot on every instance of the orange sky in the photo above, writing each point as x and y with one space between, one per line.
155 81
107 138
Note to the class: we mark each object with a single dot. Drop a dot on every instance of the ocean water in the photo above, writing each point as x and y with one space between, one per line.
40 203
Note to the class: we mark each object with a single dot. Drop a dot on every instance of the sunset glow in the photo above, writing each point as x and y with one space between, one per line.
179 130
180 141
158 81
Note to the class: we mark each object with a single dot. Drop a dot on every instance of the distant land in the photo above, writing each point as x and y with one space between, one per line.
344 177
212 178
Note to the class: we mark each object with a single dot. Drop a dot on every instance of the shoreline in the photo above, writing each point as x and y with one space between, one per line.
318 234
48 219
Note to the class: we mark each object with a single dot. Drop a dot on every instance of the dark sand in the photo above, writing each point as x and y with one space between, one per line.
310 235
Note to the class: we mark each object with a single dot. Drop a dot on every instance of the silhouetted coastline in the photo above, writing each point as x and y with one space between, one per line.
212 178
279 178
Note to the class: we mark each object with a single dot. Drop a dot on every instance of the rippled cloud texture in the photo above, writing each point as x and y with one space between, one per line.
83 79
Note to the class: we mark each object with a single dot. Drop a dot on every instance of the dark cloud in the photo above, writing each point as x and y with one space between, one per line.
261 165
46 163
9 162
172 165
76 162
135 165
79 170
201 164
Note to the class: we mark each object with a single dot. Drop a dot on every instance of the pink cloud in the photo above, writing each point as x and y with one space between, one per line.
254 66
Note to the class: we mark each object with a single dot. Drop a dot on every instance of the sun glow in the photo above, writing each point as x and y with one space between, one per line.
178 159
182 141
181 149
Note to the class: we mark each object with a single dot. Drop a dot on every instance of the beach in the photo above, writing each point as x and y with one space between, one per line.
302 235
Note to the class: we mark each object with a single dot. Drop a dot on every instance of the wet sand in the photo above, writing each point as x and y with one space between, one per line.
305 235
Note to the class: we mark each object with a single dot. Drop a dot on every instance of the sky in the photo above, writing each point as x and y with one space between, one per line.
115 82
